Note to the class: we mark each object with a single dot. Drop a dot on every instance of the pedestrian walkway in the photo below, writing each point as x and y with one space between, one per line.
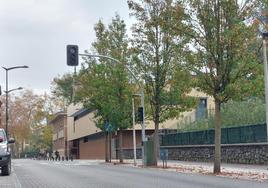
238 171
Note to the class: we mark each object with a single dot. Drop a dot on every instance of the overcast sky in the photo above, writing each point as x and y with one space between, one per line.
36 32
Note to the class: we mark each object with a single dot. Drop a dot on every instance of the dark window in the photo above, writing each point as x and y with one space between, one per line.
85 139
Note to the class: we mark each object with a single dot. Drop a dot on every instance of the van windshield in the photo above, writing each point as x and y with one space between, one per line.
2 135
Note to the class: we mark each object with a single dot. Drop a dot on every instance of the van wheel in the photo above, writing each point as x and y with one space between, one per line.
6 170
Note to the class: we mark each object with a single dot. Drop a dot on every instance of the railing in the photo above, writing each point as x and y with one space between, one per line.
231 135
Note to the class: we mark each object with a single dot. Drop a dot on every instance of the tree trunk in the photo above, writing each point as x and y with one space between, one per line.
106 147
217 155
120 146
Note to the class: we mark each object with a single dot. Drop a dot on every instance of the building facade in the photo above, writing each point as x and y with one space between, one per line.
86 141
59 130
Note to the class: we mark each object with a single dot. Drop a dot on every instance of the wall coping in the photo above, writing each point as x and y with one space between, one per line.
212 145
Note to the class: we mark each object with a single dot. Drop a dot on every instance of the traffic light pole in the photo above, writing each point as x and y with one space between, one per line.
134 132
143 129
74 77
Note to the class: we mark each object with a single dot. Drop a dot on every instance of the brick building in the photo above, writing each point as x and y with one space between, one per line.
86 141
59 130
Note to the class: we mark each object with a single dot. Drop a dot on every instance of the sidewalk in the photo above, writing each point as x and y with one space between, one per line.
236 171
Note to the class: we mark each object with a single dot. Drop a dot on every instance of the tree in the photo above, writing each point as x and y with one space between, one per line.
47 138
225 63
29 112
159 61
104 85
62 88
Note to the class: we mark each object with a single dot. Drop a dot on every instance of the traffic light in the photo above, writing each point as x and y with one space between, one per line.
72 55
140 114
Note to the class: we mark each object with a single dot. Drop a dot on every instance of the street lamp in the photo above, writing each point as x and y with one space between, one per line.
7 116
263 29
8 91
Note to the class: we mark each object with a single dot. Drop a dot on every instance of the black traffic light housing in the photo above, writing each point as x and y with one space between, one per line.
140 114
72 55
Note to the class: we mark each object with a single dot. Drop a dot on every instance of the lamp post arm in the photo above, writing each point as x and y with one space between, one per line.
16 67
19 88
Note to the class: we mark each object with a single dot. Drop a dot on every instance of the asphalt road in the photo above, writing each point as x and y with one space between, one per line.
49 174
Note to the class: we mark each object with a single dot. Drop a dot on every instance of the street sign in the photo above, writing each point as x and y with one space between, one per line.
108 127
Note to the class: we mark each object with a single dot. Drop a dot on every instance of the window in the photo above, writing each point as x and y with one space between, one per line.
85 139
74 126
60 134
201 111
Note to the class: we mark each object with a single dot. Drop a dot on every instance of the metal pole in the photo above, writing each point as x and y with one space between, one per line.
266 83
134 132
110 146
142 126
7 104
74 77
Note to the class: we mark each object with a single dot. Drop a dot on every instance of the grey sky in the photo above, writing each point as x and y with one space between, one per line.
36 32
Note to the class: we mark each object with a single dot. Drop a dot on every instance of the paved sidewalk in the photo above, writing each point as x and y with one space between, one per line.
10 181
237 171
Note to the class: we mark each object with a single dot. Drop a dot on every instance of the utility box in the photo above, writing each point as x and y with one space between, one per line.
163 154
148 152
164 157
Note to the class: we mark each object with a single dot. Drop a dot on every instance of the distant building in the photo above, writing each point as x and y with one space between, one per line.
86 141
59 131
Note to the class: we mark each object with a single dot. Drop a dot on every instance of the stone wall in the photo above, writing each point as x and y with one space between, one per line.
234 153
128 153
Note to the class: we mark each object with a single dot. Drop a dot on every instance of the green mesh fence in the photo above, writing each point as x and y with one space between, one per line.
232 135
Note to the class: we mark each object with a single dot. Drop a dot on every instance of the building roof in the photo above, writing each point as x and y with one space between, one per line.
80 113
57 116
